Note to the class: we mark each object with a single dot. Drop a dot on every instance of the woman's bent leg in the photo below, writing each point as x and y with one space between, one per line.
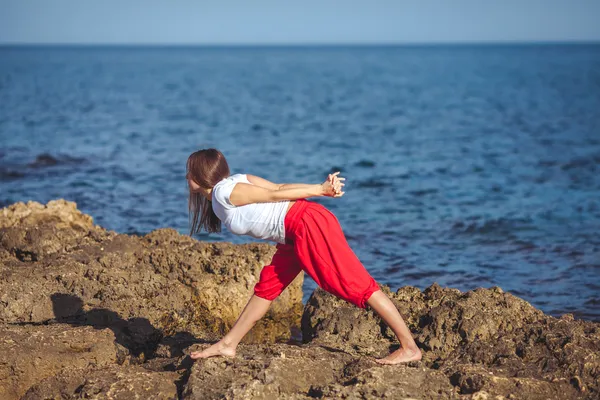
254 310
389 313
326 257
274 278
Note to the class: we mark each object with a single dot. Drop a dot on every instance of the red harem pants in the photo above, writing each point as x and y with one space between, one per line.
316 244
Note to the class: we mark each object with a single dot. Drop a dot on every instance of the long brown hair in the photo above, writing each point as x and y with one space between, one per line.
206 168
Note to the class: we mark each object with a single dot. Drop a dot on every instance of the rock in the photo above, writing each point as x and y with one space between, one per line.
331 321
89 313
30 232
308 371
484 339
55 265
30 353
477 380
110 382
61 213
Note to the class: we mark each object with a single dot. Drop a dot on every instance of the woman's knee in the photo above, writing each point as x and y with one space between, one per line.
266 294
361 300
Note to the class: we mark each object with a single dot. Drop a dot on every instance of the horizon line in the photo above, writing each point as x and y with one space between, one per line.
304 44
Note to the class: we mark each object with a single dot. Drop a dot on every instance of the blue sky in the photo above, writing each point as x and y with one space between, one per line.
297 22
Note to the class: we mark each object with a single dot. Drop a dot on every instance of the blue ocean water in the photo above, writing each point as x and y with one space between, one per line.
470 166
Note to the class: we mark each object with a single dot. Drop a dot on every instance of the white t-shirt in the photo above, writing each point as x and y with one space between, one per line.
259 220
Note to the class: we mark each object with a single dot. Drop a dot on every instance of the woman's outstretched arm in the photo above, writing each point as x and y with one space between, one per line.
262 182
244 193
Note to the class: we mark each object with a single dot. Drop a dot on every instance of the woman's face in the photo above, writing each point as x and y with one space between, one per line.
195 188
193 185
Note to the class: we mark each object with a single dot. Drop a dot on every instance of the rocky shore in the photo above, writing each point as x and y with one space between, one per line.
89 313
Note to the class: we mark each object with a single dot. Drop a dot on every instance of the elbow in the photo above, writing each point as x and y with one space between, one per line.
275 195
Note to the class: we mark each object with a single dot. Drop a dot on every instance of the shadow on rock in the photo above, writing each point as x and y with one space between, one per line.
135 334
143 341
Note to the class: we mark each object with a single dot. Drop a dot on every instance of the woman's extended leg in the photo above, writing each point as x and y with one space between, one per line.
274 278
326 257
254 310
389 313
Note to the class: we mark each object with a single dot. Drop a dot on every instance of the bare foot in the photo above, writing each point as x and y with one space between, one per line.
401 355
217 349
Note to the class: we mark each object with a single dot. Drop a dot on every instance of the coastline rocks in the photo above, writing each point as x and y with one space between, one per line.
30 353
441 319
89 313
482 340
31 232
61 213
110 382
309 371
55 265
263 372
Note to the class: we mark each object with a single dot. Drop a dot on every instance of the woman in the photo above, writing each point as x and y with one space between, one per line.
309 238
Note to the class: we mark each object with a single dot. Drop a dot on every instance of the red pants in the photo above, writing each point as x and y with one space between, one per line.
317 245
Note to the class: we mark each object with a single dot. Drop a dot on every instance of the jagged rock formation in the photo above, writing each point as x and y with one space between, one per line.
481 340
89 313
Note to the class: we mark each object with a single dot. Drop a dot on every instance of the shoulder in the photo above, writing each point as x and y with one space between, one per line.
222 190
239 178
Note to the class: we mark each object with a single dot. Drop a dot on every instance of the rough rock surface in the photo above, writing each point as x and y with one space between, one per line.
110 382
303 372
56 265
30 353
87 313
482 340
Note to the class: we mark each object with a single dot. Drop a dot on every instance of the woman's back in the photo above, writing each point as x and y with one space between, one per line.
259 220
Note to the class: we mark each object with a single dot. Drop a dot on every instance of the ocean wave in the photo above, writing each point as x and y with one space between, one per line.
500 225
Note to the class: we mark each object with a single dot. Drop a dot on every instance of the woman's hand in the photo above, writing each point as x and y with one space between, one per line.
332 187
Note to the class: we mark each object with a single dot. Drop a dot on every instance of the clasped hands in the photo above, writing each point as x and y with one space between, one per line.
333 185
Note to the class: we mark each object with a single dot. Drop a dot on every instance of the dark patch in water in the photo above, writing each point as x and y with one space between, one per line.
499 225
372 184
365 164
7 174
422 192
43 160
593 302
393 270
492 266
47 160
425 274
592 286
590 162
586 266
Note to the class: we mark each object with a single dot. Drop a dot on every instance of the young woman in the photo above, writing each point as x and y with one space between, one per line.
309 238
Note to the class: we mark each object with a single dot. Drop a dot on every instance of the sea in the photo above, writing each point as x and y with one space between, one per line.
466 165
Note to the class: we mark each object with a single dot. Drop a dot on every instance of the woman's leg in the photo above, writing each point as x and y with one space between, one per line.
326 257
274 278
389 313
254 310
